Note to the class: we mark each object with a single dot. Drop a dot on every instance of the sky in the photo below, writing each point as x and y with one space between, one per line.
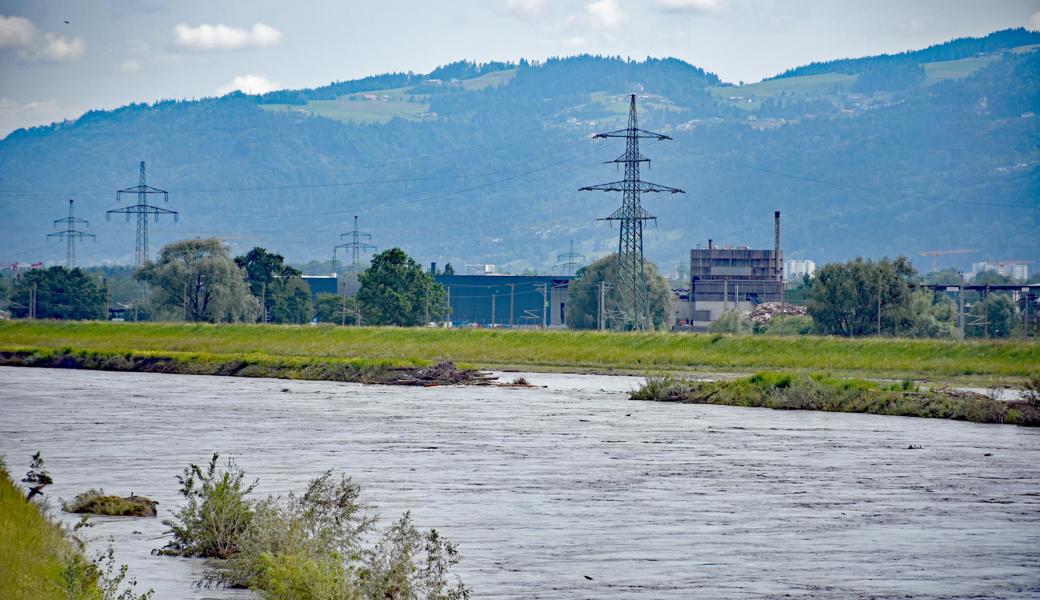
61 58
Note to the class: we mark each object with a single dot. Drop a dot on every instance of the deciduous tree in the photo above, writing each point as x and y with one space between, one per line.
396 291
197 280
584 294
59 294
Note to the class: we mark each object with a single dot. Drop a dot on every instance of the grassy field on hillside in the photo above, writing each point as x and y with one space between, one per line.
546 350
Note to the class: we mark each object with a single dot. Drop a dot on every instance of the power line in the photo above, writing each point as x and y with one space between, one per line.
142 209
356 245
630 292
569 260
71 235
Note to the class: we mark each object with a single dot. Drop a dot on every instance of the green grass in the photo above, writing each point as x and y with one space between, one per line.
295 348
825 84
493 79
356 109
400 103
956 69
800 391
36 559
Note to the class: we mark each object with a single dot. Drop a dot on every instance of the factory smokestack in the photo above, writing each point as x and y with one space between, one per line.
778 272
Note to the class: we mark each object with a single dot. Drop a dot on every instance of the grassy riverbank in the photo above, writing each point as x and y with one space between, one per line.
818 392
294 347
37 560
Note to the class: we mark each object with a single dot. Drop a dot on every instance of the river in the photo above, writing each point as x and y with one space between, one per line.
546 487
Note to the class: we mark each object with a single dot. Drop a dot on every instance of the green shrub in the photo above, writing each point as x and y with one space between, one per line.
96 502
216 515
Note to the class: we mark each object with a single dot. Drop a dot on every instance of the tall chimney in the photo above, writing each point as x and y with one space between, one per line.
777 265
711 245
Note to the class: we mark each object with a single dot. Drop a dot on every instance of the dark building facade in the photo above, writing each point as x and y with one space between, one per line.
506 300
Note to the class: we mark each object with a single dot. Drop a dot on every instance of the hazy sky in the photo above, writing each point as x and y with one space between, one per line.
112 52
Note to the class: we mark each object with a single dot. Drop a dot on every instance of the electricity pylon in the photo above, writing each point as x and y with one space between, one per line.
356 245
70 235
631 295
569 260
142 209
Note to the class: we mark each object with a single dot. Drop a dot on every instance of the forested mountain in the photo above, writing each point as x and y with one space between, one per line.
482 163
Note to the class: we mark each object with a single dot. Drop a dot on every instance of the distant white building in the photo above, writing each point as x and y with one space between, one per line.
797 269
480 270
1014 269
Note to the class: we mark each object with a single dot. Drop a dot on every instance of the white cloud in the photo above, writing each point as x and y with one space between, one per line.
222 37
56 48
1034 21
20 33
250 84
691 6
16 32
14 114
130 66
575 42
605 13
525 8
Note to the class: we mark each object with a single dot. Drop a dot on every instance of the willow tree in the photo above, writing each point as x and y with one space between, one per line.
196 280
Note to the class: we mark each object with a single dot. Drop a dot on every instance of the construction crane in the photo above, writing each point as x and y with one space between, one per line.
935 253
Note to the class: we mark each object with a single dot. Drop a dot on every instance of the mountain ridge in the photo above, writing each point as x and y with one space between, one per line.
490 173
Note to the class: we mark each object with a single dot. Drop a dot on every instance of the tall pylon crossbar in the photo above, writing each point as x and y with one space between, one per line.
568 261
71 235
356 245
630 294
143 210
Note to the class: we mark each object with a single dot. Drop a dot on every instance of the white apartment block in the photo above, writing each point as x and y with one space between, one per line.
1015 269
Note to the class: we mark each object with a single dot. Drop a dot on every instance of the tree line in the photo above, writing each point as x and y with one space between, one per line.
199 281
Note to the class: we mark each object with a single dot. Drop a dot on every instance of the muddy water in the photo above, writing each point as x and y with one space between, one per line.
545 487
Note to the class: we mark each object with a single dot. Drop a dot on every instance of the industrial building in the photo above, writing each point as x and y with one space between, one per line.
725 278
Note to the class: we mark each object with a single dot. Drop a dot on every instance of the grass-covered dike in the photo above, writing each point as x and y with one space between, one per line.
801 391
307 351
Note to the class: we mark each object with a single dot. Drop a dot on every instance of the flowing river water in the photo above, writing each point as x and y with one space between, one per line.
544 488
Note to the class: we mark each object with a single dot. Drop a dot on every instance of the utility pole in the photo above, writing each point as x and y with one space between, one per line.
632 296
569 260
142 210
184 301
343 310
545 303
879 311
70 235
960 311
599 306
263 304
512 296
32 302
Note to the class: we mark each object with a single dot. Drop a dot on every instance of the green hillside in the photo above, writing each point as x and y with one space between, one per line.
476 163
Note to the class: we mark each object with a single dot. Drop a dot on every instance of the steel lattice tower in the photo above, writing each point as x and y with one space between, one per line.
569 260
355 245
70 235
142 209
631 296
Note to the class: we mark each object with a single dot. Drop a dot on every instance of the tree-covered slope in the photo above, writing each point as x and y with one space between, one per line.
481 163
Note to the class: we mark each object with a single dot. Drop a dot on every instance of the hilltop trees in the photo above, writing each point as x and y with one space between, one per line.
396 291
196 280
58 293
282 292
583 303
